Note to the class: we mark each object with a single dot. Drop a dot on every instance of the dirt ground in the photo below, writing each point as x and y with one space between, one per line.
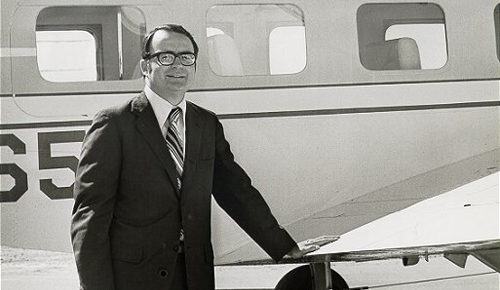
24 269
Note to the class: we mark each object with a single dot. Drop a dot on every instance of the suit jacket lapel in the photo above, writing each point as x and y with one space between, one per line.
147 125
193 133
193 142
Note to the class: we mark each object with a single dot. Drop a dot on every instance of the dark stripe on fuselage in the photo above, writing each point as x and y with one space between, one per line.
362 110
341 111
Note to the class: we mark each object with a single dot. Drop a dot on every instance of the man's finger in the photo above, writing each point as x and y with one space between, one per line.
327 239
309 249
321 241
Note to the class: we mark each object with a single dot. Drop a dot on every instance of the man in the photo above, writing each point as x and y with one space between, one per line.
141 218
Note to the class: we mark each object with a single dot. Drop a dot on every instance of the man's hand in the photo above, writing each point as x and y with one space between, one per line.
310 245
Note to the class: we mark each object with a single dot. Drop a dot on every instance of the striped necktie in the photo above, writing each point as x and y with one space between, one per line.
175 127
174 140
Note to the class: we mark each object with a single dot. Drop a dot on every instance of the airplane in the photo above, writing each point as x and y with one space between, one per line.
342 112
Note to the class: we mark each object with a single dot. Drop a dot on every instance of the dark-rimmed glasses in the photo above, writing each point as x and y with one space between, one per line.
168 57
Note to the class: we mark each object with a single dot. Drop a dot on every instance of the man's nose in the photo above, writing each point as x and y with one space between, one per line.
177 61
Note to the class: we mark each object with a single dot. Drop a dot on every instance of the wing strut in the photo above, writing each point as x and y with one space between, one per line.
322 276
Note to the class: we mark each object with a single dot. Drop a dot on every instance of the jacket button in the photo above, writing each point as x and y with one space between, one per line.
163 273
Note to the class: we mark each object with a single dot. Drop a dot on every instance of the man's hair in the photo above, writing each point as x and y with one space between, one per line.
167 27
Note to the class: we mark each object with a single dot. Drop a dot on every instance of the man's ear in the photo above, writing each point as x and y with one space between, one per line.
145 68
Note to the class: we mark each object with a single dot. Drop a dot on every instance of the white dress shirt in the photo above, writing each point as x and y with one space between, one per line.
162 108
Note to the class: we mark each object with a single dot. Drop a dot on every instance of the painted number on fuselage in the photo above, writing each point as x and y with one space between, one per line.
20 177
45 162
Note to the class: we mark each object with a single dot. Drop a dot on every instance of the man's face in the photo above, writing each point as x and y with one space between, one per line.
169 81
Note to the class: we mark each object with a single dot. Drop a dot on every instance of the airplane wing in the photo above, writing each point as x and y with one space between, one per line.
457 224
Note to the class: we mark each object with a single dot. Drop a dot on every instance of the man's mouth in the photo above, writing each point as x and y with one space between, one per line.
176 76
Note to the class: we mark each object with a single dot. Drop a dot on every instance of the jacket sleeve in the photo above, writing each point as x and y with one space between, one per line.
233 191
95 191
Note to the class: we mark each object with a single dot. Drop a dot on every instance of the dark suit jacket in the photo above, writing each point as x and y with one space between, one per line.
127 213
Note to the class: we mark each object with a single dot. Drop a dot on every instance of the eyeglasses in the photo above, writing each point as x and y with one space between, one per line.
168 57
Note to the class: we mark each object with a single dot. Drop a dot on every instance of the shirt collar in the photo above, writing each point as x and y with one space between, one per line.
162 107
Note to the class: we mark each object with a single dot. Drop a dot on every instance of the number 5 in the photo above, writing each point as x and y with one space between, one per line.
46 161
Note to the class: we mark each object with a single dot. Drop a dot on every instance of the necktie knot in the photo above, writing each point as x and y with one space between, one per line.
174 114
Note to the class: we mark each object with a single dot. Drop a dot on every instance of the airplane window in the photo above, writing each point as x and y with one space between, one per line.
496 16
430 40
75 52
261 39
289 39
403 36
86 43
